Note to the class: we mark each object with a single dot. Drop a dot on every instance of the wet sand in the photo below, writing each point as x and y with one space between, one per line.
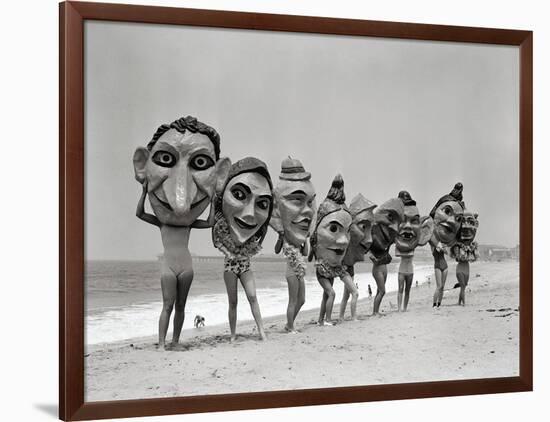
479 340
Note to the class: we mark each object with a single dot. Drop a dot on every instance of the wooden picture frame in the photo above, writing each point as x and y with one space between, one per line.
72 16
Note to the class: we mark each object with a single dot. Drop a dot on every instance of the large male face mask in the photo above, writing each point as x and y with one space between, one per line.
246 203
181 173
447 221
361 210
414 230
333 237
387 218
296 206
468 229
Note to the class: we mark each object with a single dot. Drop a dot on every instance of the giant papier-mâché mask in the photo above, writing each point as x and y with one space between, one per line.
361 210
331 235
246 201
387 218
294 210
182 169
447 215
468 229
414 230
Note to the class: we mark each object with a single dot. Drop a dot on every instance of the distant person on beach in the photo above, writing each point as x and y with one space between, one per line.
414 231
329 242
360 241
292 219
387 218
199 321
243 209
447 214
180 169
370 292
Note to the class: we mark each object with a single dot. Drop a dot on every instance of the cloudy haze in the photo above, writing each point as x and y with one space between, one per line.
386 114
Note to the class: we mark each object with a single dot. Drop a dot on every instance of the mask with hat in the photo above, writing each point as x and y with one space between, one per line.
294 209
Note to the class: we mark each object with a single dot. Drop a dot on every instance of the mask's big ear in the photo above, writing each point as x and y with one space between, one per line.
426 230
275 221
141 155
223 165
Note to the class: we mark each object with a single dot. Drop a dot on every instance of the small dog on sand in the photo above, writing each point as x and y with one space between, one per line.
199 321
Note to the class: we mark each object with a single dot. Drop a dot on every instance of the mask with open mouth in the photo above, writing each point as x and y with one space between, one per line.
294 210
331 236
414 230
246 202
182 169
468 229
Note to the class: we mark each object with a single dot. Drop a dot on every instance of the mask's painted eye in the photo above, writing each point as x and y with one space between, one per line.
415 220
390 218
238 193
201 162
263 204
458 218
333 228
164 159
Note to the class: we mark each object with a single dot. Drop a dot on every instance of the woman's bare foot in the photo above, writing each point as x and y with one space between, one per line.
233 338
263 337
291 330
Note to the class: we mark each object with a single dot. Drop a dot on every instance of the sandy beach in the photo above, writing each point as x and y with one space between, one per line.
479 340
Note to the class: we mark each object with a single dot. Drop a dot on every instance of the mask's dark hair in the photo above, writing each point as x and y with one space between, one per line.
191 124
336 191
406 198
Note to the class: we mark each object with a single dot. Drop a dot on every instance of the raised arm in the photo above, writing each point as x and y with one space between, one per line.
206 224
140 211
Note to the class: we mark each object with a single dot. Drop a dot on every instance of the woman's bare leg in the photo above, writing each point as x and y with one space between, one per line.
462 275
247 280
440 278
325 316
184 284
344 303
408 285
291 310
168 284
400 290
380 273
231 287
301 296
352 288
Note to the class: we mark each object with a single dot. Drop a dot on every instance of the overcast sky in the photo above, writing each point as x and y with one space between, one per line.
387 114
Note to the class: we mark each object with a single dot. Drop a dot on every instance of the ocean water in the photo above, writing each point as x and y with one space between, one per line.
123 298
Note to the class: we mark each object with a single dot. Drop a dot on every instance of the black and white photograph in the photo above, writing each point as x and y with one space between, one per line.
273 211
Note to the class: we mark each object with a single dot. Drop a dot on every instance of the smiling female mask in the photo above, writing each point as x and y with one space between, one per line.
447 214
243 211
329 243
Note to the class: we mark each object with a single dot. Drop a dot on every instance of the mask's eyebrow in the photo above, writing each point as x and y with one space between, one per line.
265 197
165 146
337 223
243 186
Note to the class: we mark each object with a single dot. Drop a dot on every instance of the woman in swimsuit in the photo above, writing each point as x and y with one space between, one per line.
243 210
447 215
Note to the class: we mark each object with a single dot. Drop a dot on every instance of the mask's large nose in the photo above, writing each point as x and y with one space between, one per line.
247 213
342 240
180 189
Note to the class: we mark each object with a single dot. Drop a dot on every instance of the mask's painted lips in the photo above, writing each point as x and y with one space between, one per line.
406 235
337 251
165 204
303 224
244 225
449 228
